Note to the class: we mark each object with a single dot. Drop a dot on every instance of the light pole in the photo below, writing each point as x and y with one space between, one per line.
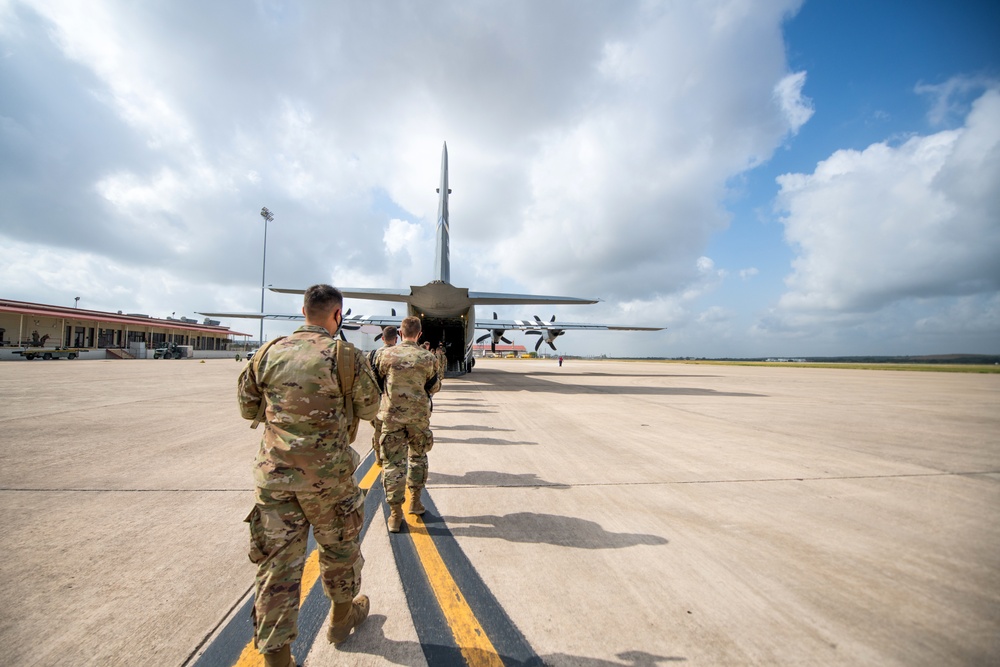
77 300
266 214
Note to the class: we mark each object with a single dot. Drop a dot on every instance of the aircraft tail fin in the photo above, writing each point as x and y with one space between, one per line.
442 268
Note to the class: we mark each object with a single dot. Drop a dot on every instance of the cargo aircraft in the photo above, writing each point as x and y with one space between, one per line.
447 312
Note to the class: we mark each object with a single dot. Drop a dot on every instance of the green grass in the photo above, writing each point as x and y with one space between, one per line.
927 368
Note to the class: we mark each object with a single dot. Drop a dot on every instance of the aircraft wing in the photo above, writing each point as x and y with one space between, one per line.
257 316
523 325
357 321
351 322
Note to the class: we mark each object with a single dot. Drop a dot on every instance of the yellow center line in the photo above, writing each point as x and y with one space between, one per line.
249 657
476 647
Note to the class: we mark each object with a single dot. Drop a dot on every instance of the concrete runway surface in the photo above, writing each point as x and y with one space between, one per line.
600 514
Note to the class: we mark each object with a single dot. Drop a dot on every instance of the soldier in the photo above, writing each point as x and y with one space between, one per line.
304 473
389 335
442 360
411 377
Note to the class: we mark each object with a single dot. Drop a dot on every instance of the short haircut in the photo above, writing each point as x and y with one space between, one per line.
321 300
390 333
410 326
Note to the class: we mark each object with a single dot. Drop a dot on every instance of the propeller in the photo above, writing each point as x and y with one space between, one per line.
345 325
497 336
545 333
378 337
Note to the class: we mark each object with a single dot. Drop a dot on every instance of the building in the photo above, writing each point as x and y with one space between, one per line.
24 324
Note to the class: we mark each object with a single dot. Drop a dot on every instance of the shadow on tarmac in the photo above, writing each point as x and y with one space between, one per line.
469 427
370 639
530 527
491 478
585 374
500 381
483 441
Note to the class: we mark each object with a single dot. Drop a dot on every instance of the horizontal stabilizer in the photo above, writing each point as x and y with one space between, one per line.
503 299
366 293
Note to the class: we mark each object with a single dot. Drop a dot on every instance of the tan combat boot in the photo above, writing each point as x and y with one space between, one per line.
395 518
345 617
416 507
281 658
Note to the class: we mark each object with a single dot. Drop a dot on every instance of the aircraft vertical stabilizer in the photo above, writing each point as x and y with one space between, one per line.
443 262
448 313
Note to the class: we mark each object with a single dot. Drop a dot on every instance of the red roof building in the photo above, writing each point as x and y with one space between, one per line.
25 324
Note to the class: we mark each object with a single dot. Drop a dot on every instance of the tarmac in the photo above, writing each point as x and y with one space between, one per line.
599 514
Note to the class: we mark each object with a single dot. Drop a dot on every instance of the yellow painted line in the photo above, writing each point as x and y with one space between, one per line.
369 479
249 657
476 647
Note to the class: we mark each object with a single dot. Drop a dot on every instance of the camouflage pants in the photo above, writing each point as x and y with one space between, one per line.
404 459
279 529
376 436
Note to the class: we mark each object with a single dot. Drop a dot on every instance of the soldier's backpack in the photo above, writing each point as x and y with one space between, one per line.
344 352
345 372
254 367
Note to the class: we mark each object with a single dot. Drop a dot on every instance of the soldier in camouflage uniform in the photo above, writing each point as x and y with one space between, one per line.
411 377
442 359
304 475
389 335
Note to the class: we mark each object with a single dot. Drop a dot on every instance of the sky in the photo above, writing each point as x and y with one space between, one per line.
761 177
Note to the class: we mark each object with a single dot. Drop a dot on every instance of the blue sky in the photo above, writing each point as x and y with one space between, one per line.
763 178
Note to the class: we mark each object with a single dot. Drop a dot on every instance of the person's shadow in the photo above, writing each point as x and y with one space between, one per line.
535 528
370 639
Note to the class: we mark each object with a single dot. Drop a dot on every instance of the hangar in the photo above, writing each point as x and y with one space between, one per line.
107 335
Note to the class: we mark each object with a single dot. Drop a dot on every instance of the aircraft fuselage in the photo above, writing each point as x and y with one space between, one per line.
447 315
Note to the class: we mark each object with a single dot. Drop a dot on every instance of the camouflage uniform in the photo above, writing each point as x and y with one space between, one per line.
304 474
377 423
410 374
442 360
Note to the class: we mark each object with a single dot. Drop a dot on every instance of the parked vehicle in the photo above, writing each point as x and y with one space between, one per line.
171 351
49 352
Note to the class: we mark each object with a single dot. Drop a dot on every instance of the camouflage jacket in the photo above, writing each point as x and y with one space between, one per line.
442 361
305 443
410 374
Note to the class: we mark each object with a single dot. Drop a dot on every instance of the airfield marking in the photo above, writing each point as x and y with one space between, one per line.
454 616
476 647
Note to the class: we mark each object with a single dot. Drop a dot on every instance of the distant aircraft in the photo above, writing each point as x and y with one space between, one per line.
448 313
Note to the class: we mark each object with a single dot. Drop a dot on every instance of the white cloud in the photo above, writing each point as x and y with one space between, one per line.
951 99
628 191
796 108
873 229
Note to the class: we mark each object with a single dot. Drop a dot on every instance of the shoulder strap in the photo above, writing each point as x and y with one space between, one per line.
345 372
255 367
